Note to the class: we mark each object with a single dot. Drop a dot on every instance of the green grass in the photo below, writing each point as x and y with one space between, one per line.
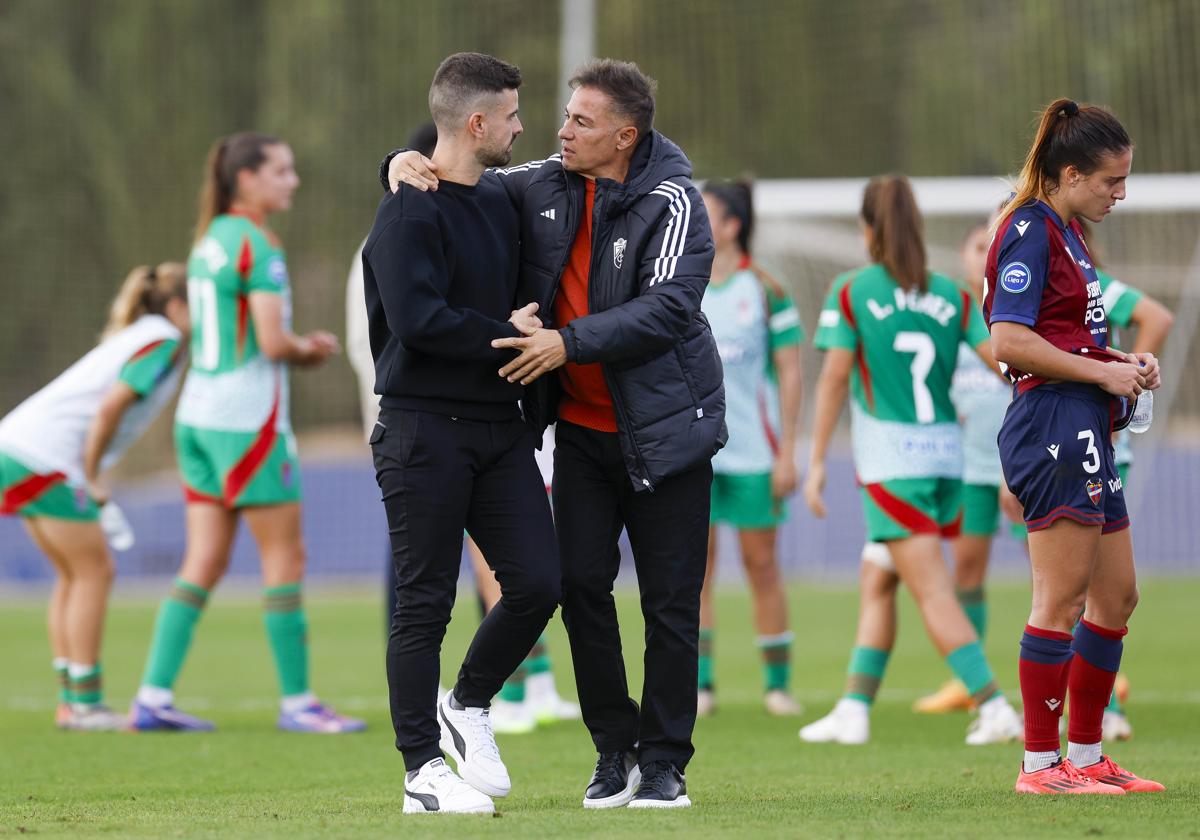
751 776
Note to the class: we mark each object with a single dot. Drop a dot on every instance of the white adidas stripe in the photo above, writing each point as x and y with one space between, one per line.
676 233
533 164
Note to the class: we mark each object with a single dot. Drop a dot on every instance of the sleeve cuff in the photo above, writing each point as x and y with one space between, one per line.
568 337
383 168
1012 318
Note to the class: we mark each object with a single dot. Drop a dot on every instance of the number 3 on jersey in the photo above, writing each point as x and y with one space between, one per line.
202 301
921 345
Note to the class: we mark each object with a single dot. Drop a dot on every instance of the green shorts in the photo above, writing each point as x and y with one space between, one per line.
745 501
981 509
237 469
907 507
24 492
1020 532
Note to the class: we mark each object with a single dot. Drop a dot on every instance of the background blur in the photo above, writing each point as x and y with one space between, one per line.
109 107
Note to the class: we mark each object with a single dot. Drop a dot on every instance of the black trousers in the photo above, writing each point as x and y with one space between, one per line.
440 475
668 531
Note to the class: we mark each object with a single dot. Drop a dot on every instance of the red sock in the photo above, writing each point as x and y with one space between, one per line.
1093 671
1044 667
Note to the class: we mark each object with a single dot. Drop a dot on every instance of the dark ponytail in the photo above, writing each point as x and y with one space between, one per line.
890 210
738 200
1068 134
227 157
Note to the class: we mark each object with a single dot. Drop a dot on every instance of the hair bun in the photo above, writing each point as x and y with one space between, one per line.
1071 108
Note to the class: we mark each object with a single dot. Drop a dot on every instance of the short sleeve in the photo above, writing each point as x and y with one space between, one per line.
1119 299
836 327
267 269
783 321
1021 266
147 367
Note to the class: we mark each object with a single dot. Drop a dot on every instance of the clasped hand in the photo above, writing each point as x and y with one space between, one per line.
539 350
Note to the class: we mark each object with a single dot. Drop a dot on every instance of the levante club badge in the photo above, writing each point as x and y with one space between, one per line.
1094 488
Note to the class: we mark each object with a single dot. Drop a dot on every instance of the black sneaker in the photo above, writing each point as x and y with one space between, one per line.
663 786
613 781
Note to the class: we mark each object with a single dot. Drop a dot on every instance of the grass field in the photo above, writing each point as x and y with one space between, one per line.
751 776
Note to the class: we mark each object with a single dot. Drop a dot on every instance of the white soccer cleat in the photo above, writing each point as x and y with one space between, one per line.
85 717
1115 727
706 702
779 703
997 723
848 723
436 789
467 737
544 702
509 718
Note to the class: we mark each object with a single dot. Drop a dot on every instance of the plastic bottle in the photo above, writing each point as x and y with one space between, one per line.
1143 413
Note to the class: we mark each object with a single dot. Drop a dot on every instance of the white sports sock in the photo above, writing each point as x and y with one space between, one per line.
76 670
1035 761
155 697
297 702
1083 755
59 663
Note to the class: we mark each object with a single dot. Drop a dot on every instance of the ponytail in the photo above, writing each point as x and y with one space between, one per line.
1068 134
146 291
738 199
890 210
227 157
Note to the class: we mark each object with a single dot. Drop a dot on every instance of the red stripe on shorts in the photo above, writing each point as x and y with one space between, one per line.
27 490
901 511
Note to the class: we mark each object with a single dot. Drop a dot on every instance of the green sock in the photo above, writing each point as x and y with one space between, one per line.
777 661
538 660
287 631
704 673
974 604
971 667
1114 705
84 684
173 628
867 666
513 689
64 684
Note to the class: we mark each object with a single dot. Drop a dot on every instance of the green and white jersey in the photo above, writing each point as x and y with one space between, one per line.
1119 303
47 432
903 423
749 323
232 386
981 399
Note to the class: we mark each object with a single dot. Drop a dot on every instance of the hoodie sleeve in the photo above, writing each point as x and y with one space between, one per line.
673 273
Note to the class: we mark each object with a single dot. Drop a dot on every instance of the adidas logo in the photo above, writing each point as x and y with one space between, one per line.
1020 226
548 214
1053 450
1053 704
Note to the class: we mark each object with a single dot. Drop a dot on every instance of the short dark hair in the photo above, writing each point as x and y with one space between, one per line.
631 90
464 77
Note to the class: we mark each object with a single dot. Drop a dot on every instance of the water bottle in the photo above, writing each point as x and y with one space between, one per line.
1143 413
116 527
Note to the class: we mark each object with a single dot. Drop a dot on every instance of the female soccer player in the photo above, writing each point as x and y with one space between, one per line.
758 334
892 332
1046 311
53 448
233 436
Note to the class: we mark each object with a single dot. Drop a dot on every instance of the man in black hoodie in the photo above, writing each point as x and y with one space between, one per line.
616 250
451 450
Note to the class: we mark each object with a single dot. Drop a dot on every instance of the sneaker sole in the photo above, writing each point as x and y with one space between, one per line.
446 742
1026 790
679 802
412 806
617 800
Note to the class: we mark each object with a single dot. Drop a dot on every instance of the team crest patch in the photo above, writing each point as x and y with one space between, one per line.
619 252
1015 277
1094 488
277 271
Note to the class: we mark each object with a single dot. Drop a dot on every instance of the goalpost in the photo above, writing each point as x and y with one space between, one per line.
807 231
